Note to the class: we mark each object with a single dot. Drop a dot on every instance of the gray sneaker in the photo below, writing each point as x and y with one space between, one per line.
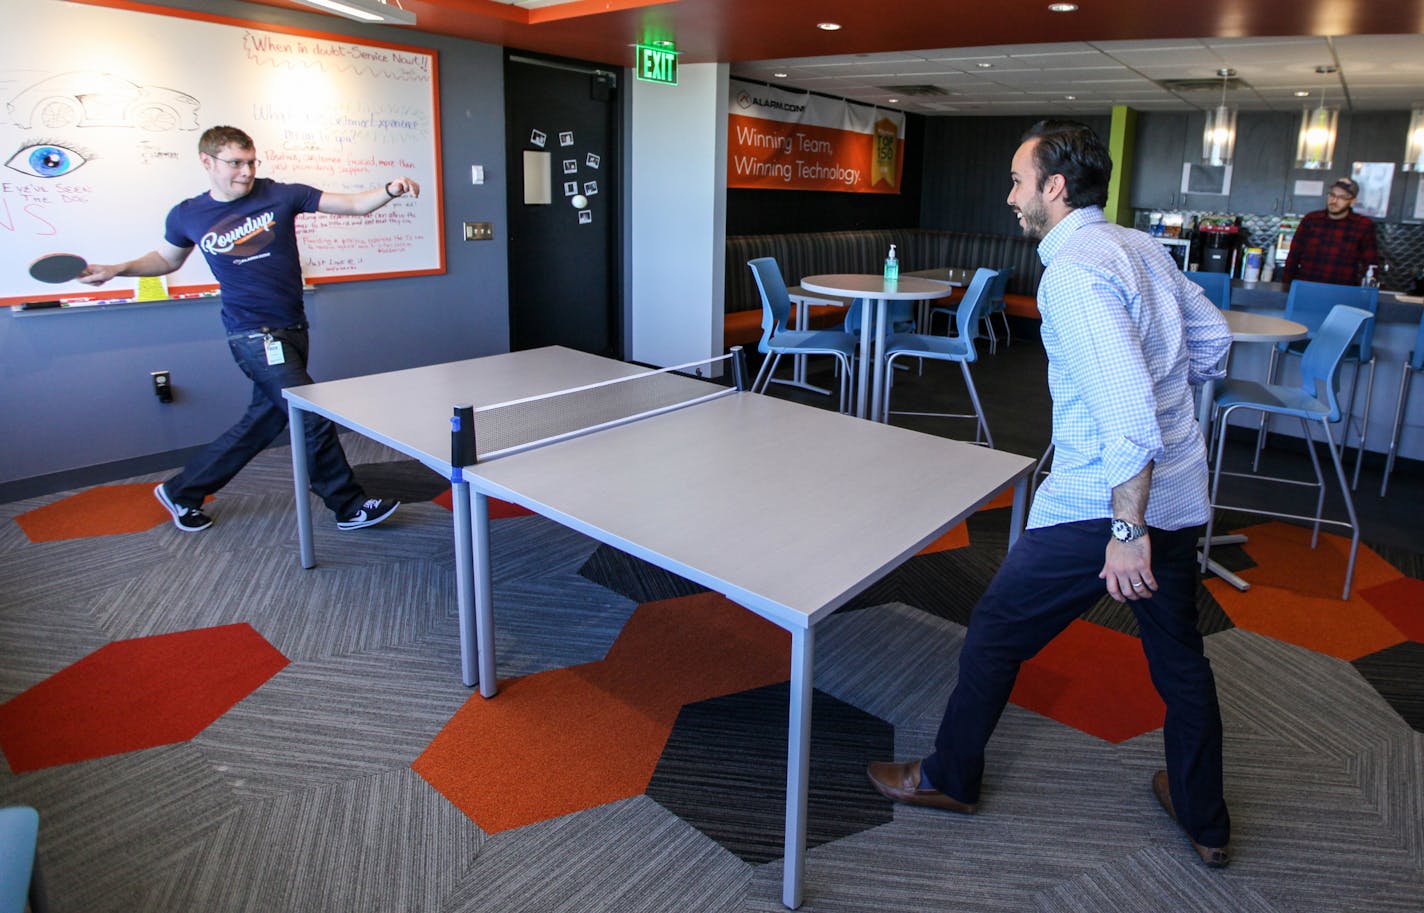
188 519
371 512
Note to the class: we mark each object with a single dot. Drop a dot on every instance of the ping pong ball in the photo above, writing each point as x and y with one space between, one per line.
579 201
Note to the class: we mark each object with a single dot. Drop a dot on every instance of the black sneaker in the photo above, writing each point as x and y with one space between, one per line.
371 512
188 519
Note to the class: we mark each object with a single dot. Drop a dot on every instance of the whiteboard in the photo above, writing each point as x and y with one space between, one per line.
100 114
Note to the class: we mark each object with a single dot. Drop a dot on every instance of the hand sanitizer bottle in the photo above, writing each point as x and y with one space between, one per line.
892 266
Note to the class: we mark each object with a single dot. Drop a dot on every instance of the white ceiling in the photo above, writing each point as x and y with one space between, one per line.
1374 73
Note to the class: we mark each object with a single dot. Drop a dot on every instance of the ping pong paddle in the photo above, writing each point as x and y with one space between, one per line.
56 268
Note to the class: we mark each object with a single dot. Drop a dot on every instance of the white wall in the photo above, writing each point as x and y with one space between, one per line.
677 216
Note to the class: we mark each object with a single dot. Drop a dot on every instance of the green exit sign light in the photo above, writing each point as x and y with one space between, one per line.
657 65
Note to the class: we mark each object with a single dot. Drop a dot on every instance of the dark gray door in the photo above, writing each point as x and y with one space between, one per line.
563 266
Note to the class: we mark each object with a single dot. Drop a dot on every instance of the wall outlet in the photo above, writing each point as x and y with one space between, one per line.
479 231
162 386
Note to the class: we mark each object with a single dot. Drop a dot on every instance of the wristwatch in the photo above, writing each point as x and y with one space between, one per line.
1125 532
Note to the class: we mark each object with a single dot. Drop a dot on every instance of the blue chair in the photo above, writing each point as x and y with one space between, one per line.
998 288
1413 365
901 315
1315 399
958 348
1216 285
1309 303
776 340
19 864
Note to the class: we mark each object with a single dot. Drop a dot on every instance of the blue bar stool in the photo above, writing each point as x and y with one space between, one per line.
1309 303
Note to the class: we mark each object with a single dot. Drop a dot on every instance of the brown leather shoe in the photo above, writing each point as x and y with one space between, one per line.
900 780
1217 857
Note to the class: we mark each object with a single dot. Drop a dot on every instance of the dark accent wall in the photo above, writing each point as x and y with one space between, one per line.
966 171
760 212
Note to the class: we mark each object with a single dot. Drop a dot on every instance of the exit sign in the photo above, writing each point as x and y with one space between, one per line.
657 65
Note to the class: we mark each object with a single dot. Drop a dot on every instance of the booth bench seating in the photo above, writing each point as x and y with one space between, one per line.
813 253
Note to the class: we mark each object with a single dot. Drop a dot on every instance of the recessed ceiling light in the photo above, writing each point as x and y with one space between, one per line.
892 100
1070 98
779 75
1325 69
1063 7
984 66
828 26
664 43
1302 94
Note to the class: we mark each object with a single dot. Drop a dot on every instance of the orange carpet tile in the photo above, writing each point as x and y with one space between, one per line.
1295 593
1402 603
134 694
1094 679
102 511
958 536
559 742
498 510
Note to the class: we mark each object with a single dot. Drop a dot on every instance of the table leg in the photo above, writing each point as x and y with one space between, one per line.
1019 515
877 392
301 481
1208 399
484 594
464 580
798 766
860 385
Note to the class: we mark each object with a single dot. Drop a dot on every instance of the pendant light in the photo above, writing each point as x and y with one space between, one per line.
1315 145
1414 146
1219 134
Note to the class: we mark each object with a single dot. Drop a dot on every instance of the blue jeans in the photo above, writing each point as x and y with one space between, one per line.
1048 579
265 419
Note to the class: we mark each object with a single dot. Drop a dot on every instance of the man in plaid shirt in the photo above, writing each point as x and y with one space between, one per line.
1333 244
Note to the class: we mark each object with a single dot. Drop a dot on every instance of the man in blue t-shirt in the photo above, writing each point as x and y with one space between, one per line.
246 229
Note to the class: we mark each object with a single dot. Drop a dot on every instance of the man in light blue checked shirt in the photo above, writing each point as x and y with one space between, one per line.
1127 337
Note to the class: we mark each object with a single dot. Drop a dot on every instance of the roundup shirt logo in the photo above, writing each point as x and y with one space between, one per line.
245 240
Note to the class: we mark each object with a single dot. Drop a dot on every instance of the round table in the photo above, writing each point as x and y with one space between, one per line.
877 289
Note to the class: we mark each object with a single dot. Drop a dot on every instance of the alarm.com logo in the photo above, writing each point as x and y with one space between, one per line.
746 100
247 237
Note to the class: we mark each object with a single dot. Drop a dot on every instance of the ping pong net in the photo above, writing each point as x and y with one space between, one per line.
503 429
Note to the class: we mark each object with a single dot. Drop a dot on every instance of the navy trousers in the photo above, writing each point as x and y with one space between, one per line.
266 417
1048 579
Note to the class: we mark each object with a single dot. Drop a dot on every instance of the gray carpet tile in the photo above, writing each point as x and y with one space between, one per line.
340 848
404 480
38 640
723 770
1151 882
106 826
635 578
1397 673
552 622
892 661
625 857
324 721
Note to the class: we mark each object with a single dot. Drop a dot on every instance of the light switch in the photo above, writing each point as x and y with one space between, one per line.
479 231
477 174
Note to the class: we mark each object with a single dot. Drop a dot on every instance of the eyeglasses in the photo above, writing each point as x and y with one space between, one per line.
239 164
1339 196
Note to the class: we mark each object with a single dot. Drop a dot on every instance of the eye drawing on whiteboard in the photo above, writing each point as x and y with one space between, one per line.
48 159
92 99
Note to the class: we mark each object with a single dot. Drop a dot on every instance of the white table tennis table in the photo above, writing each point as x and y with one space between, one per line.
709 492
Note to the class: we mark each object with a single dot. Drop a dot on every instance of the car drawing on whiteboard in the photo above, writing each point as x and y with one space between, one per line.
91 99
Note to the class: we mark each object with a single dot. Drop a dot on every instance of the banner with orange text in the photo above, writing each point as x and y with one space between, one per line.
780 140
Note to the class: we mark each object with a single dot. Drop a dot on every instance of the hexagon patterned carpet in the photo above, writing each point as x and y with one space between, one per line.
634 758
